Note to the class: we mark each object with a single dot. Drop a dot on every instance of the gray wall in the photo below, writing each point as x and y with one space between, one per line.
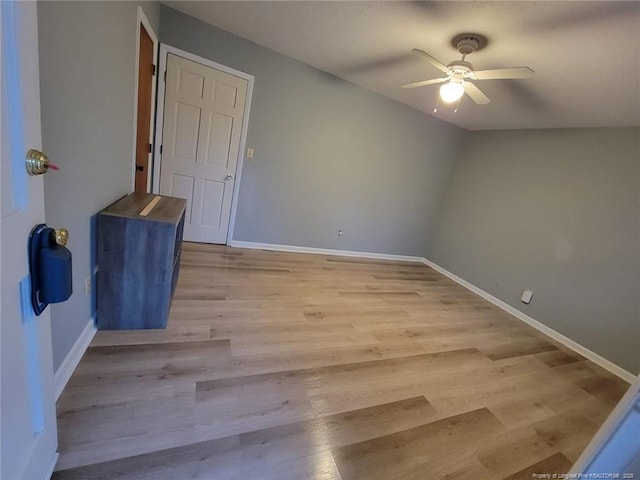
557 211
87 66
328 154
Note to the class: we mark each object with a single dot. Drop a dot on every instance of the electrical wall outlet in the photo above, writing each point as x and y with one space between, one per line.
87 286
249 153
339 234
527 295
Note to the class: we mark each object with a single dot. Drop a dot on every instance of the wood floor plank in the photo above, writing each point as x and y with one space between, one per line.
116 358
513 451
557 464
291 445
330 432
301 341
604 387
172 334
369 261
164 349
466 467
519 412
205 460
190 266
128 429
513 349
567 430
559 357
398 366
282 365
392 455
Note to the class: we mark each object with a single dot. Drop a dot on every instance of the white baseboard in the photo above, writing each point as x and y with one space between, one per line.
69 364
323 251
567 342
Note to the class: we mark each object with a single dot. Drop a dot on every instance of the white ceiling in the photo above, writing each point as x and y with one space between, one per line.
586 54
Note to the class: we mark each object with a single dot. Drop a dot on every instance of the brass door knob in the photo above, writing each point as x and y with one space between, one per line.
37 163
62 236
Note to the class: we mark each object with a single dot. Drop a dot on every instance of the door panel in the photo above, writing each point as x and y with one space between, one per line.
224 96
28 421
203 112
219 139
185 131
190 84
213 195
182 187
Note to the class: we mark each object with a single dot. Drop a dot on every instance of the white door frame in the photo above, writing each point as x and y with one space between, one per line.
608 431
157 157
143 21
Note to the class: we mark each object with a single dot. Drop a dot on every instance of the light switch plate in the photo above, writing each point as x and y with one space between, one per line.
527 295
250 153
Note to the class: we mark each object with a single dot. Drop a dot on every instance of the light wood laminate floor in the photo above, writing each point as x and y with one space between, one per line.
292 366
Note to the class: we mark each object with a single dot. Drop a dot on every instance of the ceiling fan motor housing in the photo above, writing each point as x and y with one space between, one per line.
465 69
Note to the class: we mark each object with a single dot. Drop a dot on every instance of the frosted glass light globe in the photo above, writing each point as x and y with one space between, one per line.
451 92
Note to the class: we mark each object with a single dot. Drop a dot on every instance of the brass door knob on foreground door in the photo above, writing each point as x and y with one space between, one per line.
62 236
37 163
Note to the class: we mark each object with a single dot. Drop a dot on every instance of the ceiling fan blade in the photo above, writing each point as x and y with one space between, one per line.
425 82
476 94
433 61
504 73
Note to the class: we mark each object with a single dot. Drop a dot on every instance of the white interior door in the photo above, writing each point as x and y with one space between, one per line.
203 115
29 439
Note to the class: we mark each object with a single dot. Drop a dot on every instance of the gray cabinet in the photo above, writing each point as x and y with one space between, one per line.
139 245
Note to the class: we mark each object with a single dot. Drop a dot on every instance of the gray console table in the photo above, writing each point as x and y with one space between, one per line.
139 245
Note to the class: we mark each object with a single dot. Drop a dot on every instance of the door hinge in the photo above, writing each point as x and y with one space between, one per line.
160 149
154 70
165 75
150 148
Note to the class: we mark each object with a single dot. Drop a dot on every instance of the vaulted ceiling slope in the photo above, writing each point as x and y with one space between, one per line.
585 54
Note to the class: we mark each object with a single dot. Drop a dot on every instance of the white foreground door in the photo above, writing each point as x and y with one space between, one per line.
203 115
615 448
29 440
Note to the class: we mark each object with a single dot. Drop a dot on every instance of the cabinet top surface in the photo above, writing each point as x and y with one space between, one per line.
165 209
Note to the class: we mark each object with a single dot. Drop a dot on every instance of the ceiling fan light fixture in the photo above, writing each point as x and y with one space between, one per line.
461 74
451 92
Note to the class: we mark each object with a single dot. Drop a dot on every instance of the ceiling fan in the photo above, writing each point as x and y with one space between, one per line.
460 72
